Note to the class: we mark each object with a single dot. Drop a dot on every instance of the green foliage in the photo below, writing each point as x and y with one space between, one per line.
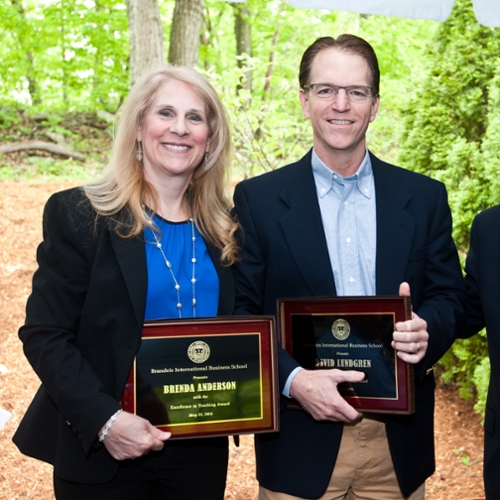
467 365
46 168
451 130
77 60
268 127
460 364
448 119
8 117
266 134
63 54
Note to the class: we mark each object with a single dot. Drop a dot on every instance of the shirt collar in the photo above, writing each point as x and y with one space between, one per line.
324 177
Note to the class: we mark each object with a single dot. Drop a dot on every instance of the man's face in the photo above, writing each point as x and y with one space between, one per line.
339 125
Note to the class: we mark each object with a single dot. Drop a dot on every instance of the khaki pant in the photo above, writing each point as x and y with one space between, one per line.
363 470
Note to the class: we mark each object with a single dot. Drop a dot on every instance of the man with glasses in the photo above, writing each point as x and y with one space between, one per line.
342 222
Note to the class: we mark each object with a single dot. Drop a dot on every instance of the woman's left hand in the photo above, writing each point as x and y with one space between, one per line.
131 436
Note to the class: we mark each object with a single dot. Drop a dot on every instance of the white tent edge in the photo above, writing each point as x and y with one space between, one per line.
487 11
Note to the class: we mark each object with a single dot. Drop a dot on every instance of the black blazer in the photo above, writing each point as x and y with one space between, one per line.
285 255
483 289
82 331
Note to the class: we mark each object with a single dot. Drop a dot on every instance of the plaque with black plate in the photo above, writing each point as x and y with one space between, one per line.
206 376
352 333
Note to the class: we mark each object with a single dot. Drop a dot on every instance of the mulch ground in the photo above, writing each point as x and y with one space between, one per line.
458 429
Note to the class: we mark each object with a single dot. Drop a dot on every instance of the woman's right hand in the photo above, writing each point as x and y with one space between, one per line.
131 436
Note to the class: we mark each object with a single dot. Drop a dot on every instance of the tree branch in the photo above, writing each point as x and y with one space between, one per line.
43 146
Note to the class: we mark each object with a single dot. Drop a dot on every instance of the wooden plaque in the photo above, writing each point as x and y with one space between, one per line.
352 333
206 376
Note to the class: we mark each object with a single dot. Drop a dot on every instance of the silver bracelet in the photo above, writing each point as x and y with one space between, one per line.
109 423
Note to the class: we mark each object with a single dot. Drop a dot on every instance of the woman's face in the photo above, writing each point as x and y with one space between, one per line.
174 135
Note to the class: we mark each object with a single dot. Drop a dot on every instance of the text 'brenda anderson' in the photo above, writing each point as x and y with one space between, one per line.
205 387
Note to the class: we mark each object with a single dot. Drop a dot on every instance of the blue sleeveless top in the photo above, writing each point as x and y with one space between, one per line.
177 245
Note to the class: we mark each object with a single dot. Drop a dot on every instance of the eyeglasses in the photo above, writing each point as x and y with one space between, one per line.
328 91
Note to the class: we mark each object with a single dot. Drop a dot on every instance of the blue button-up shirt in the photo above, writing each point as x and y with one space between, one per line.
349 217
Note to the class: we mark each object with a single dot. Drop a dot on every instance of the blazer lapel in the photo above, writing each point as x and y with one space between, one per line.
226 283
395 230
303 229
131 257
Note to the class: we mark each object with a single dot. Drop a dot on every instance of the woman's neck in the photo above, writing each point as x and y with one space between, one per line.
172 202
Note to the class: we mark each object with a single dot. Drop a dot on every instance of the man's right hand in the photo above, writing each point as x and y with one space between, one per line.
317 393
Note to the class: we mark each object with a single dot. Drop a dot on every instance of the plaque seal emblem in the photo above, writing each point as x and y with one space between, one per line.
341 329
198 352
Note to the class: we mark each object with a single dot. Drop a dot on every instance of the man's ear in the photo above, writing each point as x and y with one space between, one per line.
374 110
304 101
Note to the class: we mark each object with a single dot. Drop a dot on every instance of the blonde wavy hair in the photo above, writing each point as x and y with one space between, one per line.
122 192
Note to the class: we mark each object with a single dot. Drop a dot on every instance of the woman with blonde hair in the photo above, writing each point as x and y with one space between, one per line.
152 239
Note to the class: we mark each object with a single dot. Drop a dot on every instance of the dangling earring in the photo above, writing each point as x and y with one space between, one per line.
139 151
205 161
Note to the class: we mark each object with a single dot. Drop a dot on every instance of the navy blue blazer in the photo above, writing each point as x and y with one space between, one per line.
483 290
83 328
285 255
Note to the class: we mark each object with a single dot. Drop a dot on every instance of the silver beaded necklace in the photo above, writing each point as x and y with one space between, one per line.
177 287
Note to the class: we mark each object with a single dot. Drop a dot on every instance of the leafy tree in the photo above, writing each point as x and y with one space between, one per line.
63 54
451 132
27 47
447 121
105 34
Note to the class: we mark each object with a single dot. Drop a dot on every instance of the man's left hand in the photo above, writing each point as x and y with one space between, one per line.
411 337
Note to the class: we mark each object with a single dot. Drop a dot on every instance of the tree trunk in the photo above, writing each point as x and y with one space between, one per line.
243 43
272 53
185 33
147 49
